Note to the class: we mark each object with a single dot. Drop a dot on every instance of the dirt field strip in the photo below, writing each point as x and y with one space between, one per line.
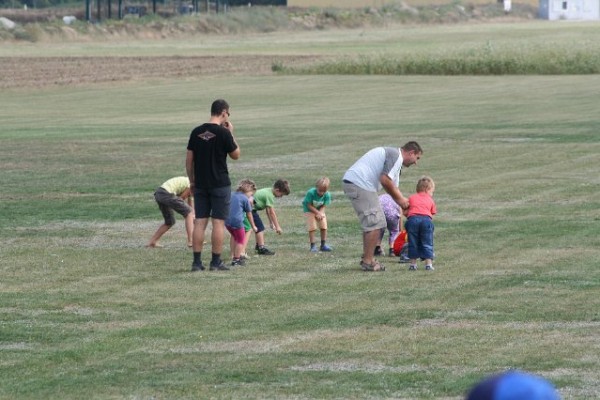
30 72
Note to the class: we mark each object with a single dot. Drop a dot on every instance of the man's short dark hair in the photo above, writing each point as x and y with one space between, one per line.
412 146
218 106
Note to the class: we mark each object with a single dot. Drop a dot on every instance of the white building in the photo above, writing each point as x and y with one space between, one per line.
570 9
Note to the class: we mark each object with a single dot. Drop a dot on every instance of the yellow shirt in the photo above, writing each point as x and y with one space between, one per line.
176 185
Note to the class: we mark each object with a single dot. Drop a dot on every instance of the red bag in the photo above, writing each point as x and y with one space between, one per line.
399 242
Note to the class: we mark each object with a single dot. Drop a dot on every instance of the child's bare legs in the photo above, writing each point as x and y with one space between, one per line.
429 264
158 234
189 228
237 250
248 234
324 246
311 236
232 245
311 240
260 238
236 244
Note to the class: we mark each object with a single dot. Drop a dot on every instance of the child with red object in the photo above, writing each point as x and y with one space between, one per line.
392 212
419 224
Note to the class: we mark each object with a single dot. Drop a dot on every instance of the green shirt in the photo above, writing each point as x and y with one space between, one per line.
264 198
312 197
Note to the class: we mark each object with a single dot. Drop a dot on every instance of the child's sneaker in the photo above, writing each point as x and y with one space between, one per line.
314 249
263 251
326 248
391 253
403 259
378 252
412 268
244 256
429 268
238 262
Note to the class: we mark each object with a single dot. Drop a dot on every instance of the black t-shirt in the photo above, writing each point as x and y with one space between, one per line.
211 143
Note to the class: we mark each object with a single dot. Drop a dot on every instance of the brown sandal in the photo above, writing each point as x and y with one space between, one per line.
375 266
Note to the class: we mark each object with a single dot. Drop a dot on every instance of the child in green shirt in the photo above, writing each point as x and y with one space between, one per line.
264 199
314 203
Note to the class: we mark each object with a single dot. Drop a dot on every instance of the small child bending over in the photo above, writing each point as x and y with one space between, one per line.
419 224
264 199
392 212
239 208
314 203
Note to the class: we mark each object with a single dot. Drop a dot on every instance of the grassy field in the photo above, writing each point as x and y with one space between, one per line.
392 40
87 311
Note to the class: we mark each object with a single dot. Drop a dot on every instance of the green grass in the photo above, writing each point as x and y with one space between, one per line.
87 311
483 61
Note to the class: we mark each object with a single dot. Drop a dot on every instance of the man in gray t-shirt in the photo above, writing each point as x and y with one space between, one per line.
378 169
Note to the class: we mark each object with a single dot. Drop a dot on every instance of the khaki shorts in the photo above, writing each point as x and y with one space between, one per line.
312 223
367 207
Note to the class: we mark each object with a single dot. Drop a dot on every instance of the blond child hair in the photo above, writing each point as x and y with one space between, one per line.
424 184
322 183
246 186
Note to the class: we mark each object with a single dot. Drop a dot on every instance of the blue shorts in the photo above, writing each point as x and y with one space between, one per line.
213 203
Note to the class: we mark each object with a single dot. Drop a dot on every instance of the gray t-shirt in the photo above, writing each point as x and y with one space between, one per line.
365 172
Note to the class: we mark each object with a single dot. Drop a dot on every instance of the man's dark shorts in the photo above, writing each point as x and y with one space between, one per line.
213 203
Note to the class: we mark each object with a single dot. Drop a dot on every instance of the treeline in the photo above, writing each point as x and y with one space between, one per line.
54 3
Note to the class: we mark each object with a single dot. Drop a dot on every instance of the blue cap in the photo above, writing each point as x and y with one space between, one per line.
513 385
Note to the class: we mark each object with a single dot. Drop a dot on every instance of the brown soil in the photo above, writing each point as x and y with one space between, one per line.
21 72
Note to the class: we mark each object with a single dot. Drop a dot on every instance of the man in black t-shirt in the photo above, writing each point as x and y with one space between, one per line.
206 166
